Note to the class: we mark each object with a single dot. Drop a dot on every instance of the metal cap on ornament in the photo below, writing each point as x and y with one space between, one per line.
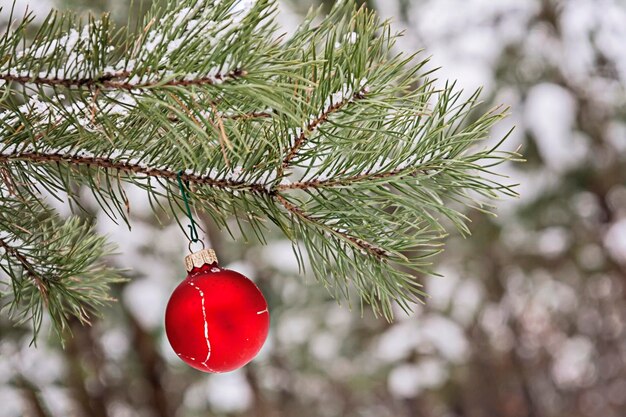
197 259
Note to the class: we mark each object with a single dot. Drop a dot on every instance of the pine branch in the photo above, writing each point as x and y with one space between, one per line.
375 251
28 267
351 181
129 167
121 80
351 151
316 122
53 265
135 168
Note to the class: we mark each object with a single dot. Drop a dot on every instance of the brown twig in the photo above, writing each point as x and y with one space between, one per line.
224 141
242 116
315 123
129 167
120 80
94 105
28 267
186 109
245 116
8 181
333 182
376 251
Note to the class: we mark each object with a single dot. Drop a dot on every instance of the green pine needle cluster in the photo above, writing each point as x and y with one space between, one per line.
53 264
351 150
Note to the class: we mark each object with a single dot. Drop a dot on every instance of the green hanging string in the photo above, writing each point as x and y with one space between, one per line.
193 232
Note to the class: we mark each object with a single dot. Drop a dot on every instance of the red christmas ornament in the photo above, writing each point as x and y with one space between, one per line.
216 319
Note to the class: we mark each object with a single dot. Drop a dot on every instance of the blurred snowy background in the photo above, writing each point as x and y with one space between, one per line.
529 319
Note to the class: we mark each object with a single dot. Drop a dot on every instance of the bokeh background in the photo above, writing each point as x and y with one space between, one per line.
527 321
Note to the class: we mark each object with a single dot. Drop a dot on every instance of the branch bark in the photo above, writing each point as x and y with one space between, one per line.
134 168
315 124
120 80
28 268
227 185
335 182
374 250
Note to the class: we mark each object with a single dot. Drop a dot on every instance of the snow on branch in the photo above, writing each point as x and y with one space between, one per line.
132 163
184 47
331 108
123 80
333 104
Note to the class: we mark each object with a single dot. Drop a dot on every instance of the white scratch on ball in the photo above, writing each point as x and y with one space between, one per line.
262 311
206 325
185 356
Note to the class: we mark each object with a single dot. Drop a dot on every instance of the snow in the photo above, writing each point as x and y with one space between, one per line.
120 103
7 366
267 349
572 362
229 392
280 255
174 45
11 401
40 111
616 134
137 158
350 38
338 318
550 113
115 343
324 346
407 380
468 300
467 40
287 18
45 366
398 342
196 23
493 319
404 381
39 8
553 241
557 296
446 336
463 39
242 7
145 300
441 288
59 401
154 40
72 43
295 329
342 96
244 268
181 16
615 241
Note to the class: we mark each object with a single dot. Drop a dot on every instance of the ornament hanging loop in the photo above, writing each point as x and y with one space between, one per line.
193 231
192 242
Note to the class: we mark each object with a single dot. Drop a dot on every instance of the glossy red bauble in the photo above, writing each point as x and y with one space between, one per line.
216 319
